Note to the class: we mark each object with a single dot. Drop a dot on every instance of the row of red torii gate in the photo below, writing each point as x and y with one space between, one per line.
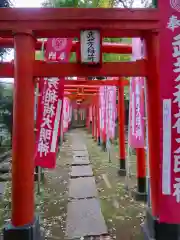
155 75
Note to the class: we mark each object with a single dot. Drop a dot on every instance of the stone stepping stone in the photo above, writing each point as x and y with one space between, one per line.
84 218
5 177
81 171
82 188
80 154
2 190
80 160
79 146
5 167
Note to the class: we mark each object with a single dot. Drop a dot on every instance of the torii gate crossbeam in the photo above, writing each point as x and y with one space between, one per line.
58 22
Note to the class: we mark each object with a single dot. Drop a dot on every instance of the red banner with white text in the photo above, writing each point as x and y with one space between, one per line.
169 205
137 111
50 105
66 114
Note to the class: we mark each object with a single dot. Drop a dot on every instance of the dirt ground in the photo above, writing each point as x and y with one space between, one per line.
51 202
55 194
122 214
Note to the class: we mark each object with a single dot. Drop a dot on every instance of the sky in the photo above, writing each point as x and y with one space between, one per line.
27 3
23 4
36 4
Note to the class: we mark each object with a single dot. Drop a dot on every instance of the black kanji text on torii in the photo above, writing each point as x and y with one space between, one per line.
90 43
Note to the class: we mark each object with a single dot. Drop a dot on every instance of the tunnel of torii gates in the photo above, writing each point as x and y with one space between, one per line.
27 25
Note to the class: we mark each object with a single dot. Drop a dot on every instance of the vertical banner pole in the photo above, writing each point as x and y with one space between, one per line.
122 163
147 147
104 126
128 174
98 113
93 121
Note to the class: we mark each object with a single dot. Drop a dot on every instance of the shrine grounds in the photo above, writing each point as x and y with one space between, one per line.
123 215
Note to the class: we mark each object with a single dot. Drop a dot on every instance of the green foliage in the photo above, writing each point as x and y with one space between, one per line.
112 40
73 57
78 3
65 3
126 93
4 3
6 107
117 57
39 55
155 3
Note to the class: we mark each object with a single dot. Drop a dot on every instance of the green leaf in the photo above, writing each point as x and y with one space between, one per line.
39 55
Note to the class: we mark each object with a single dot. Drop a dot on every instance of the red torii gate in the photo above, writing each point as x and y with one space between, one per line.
26 25
106 47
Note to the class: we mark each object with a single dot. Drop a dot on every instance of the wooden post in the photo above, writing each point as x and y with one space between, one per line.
23 132
152 227
98 122
153 108
24 223
141 193
121 120
93 125
96 119
105 119
87 117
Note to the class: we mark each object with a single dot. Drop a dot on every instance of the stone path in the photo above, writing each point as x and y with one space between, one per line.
84 217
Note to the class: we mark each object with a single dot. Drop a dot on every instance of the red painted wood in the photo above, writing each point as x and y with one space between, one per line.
141 163
154 116
23 133
46 22
85 90
94 84
67 14
106 47
6 70
43 69
123 69
121 109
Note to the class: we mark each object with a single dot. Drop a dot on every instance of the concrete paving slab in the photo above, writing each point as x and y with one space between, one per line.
80 154
80 147
80 160
2 190
82 188
81 171
84 218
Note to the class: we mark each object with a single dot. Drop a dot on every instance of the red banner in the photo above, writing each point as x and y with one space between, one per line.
58 49
102 109
137 138
170 101
50 105
110 110
66 114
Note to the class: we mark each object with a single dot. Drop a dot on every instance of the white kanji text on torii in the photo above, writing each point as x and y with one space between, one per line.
176 116
173 23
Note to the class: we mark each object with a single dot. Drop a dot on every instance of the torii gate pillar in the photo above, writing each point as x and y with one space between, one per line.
121 120
23 222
